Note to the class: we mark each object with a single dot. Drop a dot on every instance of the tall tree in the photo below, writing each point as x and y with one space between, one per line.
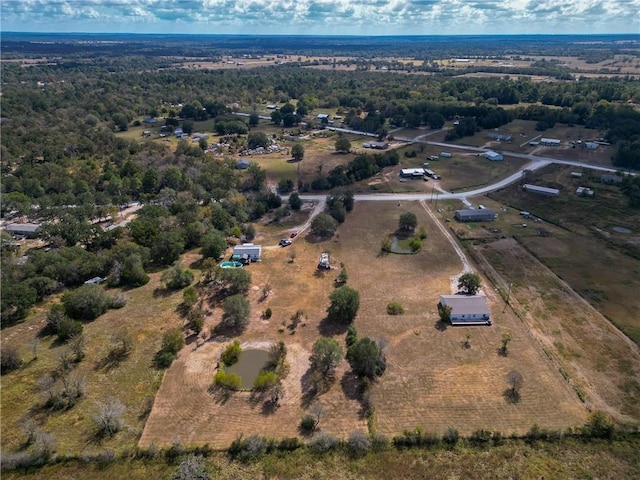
345 302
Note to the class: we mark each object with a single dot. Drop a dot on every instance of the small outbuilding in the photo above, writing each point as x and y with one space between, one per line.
480 215
446 154
467 309
247 252
493 156
550 142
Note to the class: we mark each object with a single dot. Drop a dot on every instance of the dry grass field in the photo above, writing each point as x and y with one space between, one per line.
431 379
133 382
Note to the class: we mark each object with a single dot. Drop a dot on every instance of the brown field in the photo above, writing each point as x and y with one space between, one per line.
431 380
599 361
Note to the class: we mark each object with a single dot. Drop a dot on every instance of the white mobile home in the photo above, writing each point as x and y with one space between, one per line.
467 309
247 252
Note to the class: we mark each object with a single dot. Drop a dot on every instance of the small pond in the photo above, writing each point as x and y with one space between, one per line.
248 366
401 246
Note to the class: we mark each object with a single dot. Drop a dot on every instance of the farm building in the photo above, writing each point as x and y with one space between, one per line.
467 309
591 145
576 175
493 156
29 230
412 172
550 142
247 252
379 145
481 215
500 137
322 116
552 192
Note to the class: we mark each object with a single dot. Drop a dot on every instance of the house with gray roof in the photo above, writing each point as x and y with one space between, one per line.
467 309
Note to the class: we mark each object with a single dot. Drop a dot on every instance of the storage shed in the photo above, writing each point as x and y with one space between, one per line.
551 192
493 156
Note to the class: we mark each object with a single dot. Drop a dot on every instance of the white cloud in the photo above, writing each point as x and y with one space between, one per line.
325 16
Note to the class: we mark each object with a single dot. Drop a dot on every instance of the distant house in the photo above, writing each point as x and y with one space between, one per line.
379 145
272 107
613 179
493 156
550 142
551 192
322 116
247 252
591 145
584 192
412 172
500 137
243 164
29 230
481 215
467 309
445 155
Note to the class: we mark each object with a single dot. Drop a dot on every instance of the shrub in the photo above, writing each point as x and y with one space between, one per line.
177 277
267 314
230 381
249 448
9 359
395 308
69 328
359 443
109 419
289 444
87 303
480 437
415 244
231 353
451 436
163 359
423 233
192 468
323 442
172 341
119 300
599 426
308 424
265 380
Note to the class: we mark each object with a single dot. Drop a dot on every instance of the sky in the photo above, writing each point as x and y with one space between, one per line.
323 17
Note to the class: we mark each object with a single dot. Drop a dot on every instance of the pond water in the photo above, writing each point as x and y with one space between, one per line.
248 366
396 247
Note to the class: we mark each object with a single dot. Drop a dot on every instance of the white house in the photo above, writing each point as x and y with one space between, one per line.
467 309
247 252
412 172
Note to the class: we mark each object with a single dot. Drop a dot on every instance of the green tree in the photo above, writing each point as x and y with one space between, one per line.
276 117
323 225
366 358
325 356
167 247
295 202
395 308
257 139
190 296
345 302
172 341
343 144
86 303
435 120
132 272
445 312
235 280
408 222
469 283
231 353
254 119
236 312
214 245
297 151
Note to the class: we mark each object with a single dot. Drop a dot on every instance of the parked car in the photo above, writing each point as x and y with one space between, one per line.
285 242
293 235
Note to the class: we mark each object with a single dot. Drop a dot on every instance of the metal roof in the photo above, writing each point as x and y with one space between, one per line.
466 304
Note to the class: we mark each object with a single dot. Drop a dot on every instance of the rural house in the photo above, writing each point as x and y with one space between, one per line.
247 252
480 215
550 142
467 309
493 156
29 230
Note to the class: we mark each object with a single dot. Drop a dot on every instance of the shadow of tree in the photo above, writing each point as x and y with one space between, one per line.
351 385
511 395
330 328
220 394
440 325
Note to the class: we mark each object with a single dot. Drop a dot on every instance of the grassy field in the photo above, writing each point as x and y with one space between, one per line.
565 460
134 382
